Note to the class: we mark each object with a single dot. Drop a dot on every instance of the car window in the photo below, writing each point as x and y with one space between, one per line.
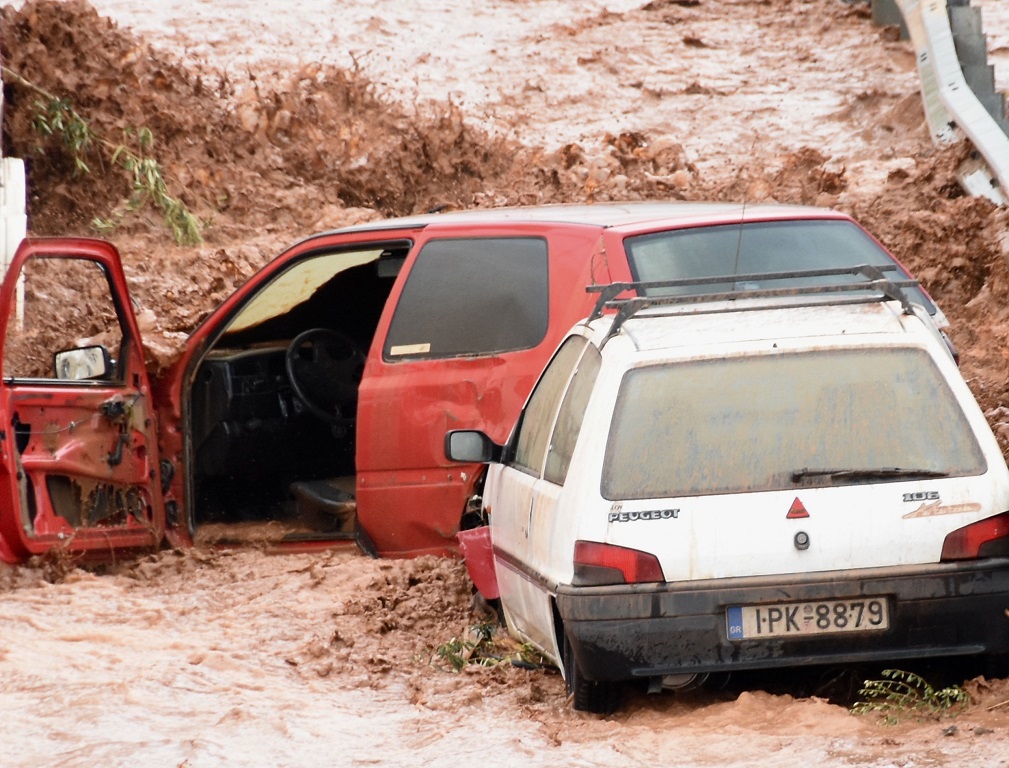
570 416
771 246
472 296
747 424
537 419
63 304
297 285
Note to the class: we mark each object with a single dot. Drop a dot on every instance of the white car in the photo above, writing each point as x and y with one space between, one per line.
771 478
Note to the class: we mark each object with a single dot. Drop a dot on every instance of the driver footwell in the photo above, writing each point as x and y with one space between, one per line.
313 510
327 504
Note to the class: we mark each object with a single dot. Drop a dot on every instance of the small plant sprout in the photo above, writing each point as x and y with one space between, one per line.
904 695
479 647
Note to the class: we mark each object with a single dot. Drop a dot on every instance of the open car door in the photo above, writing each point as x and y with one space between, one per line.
78 440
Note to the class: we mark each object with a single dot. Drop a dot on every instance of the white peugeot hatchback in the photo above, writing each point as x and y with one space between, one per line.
747 480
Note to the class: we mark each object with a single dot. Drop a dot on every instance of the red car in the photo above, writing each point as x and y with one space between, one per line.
311 407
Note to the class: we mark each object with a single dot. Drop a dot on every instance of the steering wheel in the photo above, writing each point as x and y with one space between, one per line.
324 368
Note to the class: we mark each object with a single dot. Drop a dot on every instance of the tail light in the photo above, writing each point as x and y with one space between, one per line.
600 564
985 538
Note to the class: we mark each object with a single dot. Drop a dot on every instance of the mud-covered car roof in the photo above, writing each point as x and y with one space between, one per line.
604 215
652 330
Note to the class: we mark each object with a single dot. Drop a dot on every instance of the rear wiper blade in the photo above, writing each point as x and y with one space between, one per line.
881 472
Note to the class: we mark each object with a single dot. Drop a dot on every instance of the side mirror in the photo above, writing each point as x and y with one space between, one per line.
82 363
471 445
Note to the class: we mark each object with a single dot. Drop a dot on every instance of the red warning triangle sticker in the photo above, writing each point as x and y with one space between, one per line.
797 510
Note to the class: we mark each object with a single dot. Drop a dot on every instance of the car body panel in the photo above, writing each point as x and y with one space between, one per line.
832 512
943 610
173 385
410 500
79 468
401 466
898 527
528 600
878 538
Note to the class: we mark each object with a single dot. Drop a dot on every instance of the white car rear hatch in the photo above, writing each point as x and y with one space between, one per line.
746 449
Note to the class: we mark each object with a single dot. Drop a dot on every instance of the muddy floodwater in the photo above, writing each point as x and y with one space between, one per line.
227 659
276 119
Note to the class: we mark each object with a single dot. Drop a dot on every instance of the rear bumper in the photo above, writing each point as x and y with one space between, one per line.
632 631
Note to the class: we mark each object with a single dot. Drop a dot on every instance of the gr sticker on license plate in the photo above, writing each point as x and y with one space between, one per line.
864 614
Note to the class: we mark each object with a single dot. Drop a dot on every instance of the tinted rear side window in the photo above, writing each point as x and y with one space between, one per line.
570 416
537 420
746 424
472 297
772 246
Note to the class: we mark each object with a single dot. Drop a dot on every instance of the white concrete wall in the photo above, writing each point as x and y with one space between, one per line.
13 221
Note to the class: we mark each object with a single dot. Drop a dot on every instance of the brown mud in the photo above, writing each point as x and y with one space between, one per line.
288 154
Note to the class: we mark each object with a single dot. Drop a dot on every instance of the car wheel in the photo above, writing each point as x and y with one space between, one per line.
600 697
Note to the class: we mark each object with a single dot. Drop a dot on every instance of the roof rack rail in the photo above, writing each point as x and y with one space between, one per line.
609 291
883 288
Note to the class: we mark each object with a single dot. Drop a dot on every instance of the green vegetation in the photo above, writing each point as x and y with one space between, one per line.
56 118
479 647
149 185
904 695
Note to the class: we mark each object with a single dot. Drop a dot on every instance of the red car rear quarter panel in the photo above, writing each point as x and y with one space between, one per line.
410 497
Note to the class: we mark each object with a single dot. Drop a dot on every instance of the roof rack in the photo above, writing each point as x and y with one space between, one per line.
883 290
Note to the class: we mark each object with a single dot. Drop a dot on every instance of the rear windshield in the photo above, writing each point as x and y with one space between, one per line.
773 246
747 424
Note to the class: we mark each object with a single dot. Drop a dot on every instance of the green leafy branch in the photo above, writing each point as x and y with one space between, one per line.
149 185
902 695
55 117
458 652
478 648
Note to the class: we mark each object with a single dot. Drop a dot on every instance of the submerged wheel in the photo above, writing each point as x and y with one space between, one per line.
600 697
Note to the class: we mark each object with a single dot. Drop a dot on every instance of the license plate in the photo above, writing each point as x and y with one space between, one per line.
746 622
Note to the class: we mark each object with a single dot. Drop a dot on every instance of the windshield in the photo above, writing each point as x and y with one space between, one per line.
771 246
296 285
773 422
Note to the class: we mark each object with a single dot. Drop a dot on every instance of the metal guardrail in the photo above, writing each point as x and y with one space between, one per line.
952 109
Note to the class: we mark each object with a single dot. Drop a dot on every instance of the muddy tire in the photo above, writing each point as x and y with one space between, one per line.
600 697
